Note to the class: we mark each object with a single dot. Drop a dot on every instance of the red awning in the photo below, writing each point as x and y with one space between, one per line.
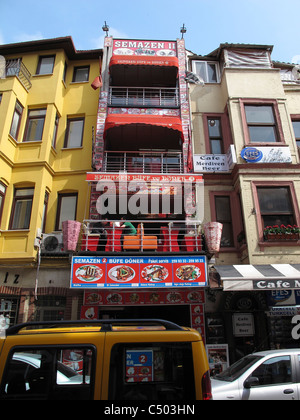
143 60
116 120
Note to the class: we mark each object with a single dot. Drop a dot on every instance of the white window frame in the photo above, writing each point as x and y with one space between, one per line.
215 63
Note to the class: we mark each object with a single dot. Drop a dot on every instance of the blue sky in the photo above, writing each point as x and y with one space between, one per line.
209 22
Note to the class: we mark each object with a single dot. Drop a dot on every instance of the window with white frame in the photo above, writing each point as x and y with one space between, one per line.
208 70
66 209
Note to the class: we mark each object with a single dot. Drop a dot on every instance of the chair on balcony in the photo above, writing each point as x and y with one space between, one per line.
169 242
114 239
140 241
89 242
191 243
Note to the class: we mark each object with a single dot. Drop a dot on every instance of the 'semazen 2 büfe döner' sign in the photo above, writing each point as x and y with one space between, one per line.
135 272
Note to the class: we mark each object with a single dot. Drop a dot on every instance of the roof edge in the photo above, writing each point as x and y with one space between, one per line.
66 43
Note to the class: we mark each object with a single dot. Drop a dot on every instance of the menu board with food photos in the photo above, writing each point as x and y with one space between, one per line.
97 298
138 272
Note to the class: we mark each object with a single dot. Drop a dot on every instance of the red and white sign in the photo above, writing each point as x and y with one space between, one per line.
144 47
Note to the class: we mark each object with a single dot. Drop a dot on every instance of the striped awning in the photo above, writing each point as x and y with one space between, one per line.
260 277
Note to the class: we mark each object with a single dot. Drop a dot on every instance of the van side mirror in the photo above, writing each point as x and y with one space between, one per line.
250 382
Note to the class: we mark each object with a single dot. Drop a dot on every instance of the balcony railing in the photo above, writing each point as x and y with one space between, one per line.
154 236
144 97
143 162
17 68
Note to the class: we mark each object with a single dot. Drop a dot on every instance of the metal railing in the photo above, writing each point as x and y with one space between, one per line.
17 68
143 162
143 97
149 235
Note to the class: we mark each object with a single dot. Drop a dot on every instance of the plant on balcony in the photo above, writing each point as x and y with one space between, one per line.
285 233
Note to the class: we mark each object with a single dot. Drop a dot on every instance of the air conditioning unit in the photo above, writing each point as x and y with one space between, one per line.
52 243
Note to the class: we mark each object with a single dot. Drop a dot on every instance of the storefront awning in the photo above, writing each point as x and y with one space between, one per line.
117 120
141 60
260 277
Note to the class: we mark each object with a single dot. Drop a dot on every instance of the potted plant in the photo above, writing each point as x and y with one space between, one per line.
283 232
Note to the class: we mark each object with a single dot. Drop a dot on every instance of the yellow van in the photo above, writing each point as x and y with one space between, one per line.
103 360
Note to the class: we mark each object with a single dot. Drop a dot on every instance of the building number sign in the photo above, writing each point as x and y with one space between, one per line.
9 278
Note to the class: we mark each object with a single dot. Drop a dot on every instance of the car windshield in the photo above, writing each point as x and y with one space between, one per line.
238 368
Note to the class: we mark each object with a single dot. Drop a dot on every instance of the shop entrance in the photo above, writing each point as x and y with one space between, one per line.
180 314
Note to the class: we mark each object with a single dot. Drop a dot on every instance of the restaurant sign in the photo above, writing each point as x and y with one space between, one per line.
143 47
138 273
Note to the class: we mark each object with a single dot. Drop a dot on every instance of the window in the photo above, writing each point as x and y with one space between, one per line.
223 215
275 371
2 196
54 137
261 123
35 125
74 133
81 74
296 126
13 67
49 373
45 65
276 207
152 371
208 71
215 136
67 206
9 307
21 212
50 308
16 121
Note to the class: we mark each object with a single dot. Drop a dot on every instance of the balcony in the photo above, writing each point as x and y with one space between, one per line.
17 68
143 162
143 97
151 235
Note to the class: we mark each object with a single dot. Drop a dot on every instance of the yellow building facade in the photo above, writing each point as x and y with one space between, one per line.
48 112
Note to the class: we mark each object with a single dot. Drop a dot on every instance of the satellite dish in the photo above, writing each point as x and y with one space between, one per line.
296 72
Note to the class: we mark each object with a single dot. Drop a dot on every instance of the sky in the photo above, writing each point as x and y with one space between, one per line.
209 22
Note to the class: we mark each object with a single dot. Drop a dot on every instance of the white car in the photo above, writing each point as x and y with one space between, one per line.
267 375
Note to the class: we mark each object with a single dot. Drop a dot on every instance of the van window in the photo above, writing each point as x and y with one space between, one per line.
152 371
49 373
